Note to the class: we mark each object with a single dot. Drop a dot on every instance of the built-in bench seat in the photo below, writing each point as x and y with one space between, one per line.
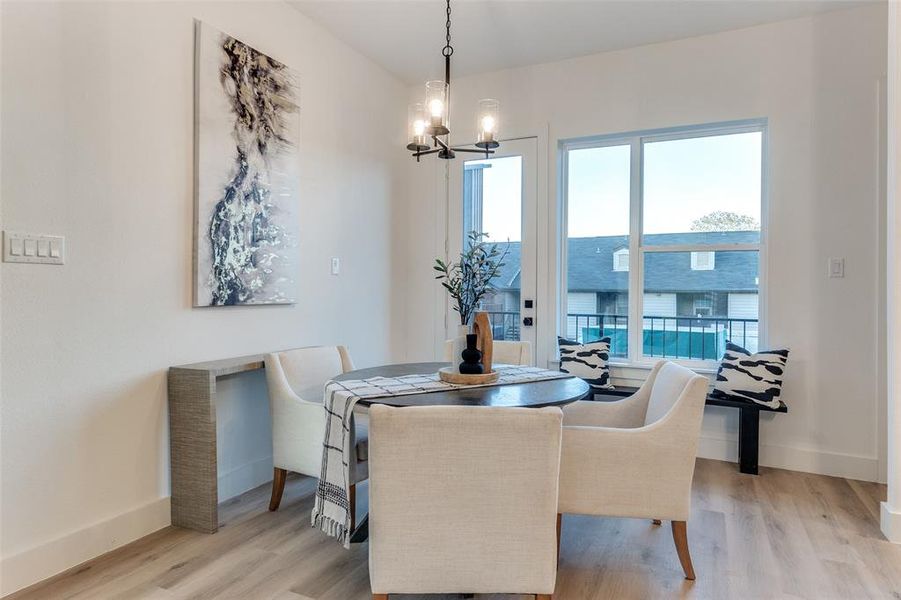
748 423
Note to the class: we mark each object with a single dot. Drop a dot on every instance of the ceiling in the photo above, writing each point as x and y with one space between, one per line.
406 36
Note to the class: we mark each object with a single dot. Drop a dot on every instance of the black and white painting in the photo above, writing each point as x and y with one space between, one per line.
246 187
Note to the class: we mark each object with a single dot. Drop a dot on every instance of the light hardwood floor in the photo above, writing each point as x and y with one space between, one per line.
778 535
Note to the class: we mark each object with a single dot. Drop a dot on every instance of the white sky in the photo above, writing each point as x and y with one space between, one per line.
683 180
502 198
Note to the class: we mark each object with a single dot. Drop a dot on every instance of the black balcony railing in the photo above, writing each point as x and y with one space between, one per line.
590 327
698 338
504 324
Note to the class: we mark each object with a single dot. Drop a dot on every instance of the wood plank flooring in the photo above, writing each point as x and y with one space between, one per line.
778 535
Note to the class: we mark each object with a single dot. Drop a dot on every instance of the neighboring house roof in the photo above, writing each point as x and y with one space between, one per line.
590 265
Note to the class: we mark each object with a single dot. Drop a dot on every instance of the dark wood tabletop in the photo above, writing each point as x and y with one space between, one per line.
534 394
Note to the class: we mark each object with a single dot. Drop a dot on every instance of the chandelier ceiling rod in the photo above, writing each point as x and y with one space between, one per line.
448 50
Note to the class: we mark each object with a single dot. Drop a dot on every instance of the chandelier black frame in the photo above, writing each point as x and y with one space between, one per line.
434 125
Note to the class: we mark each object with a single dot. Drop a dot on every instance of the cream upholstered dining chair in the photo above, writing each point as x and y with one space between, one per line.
635 457
296 381
504 352
487 524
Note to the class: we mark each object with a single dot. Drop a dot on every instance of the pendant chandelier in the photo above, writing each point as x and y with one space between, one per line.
428 120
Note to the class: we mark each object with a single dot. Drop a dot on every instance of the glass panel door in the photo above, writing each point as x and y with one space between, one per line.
497 198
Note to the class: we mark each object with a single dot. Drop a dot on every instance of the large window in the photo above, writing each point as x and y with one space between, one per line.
663 241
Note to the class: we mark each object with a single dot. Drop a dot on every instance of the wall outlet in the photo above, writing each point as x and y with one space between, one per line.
836 268
33 248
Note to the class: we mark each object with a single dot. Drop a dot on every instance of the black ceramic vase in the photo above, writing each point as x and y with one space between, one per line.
472 357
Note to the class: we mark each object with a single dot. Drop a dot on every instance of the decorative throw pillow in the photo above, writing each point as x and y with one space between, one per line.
587 361
750 377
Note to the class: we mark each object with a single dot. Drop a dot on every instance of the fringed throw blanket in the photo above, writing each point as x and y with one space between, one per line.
331 508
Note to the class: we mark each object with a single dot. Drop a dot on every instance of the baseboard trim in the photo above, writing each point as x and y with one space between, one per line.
50 558
849 466
720 446
890 523
718 449
244 478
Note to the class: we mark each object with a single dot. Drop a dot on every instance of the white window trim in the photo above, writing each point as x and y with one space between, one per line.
636 141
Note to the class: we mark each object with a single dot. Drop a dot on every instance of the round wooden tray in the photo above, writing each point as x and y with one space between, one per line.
450 375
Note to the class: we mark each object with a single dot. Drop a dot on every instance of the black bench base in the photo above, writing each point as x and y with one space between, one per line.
748 424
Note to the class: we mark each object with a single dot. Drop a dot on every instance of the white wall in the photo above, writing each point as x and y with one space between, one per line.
243 433
743 306
820 83
579 302
97 146
659 305
582 302
890 510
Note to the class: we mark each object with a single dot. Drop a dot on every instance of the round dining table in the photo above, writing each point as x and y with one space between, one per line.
531 394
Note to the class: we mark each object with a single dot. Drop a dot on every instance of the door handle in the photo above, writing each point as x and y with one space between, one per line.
528 321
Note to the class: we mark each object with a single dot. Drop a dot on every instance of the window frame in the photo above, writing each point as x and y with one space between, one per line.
637 250
709 257
616 255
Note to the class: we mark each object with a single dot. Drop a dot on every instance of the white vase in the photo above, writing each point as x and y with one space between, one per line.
458 346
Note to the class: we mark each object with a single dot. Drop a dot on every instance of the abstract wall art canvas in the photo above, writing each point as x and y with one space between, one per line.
246 184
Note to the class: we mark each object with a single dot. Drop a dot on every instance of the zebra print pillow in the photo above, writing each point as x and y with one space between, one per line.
587 361
750 377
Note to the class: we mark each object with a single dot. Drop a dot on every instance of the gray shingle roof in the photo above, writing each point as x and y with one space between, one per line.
590 265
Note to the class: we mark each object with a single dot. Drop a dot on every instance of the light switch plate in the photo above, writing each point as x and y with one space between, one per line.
336 266
33 248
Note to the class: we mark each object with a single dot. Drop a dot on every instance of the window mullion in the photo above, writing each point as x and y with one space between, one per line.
636 262
563 244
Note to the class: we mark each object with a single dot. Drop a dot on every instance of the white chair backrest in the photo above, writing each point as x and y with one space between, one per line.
307 369
455 491
504 352
671 381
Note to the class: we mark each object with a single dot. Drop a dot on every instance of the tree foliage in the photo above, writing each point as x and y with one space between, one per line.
721 220
468 280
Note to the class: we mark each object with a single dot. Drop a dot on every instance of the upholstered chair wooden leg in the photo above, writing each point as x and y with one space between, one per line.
352 501
380 597
278 487
559 526
658 522
680 536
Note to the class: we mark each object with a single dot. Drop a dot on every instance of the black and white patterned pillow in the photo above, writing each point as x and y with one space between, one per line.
587 361
751 377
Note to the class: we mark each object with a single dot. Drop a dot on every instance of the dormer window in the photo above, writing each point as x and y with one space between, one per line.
702 261
621 260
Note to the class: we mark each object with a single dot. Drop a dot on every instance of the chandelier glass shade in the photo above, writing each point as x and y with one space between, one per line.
428 121
487 123
417 137
436 102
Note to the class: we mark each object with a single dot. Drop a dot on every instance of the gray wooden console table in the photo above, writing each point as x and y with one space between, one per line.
192 439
